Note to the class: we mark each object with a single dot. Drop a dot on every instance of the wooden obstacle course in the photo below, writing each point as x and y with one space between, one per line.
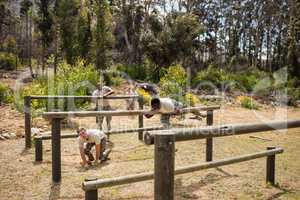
27 108
162 181
56 117
39 139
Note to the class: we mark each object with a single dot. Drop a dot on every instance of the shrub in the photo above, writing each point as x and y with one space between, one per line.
146 96
247 102
191 99
7 61
173 83
78 80
211 78
5 94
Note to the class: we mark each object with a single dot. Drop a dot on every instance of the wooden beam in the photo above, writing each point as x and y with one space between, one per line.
111 132
221 131
85 97
27 125
102 183
119 112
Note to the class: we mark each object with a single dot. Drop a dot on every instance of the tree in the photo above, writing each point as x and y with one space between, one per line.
24 11
103 35
45 23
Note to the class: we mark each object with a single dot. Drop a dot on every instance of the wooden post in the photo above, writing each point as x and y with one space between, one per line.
164 167
270 174
56 153
38 142
209 141
91 194
165 120
27 111
141 117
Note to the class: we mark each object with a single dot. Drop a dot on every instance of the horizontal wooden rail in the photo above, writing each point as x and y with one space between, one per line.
184 134
111 132
102 183
120 112
85 97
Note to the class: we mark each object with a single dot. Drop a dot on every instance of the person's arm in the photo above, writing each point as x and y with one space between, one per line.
108 92
98 148
83 158
151 113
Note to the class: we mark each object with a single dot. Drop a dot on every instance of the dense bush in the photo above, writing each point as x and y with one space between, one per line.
191 99
173 83
7 61
5 94
211 78
78 79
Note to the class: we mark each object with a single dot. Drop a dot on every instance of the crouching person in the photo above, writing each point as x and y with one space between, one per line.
86 140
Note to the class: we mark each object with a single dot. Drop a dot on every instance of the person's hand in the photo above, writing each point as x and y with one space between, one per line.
96 162
83 163
148 115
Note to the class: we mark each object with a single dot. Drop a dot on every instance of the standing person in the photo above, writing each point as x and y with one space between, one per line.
86 140
130 91
103 104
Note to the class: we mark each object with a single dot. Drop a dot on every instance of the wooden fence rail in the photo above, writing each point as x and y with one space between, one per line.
221 131
91 186
39 139
28 100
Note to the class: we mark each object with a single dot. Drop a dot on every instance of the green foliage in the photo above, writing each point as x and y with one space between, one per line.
84 34
5 94
78 80
174 42
191 99
173 83
211 77
67 16
103 35
249 103
7 61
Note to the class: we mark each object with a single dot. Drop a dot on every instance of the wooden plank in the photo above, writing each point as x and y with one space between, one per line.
141 118
221 131
38 142
102 183
85 97
270 168
112 132
119 112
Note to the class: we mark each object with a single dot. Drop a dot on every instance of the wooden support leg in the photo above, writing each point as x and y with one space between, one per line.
27 111
56 151
38 149
91 194
164 167
141 118
270 174
209 141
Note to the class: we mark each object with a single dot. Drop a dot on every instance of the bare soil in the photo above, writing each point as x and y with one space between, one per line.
23 179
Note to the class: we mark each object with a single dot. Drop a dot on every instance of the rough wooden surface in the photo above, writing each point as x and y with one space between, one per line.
221 131
102 183
86 97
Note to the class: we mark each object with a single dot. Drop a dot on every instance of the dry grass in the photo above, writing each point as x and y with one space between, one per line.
21 178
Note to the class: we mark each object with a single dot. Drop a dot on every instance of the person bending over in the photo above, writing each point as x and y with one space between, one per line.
86 140
103 104
164 106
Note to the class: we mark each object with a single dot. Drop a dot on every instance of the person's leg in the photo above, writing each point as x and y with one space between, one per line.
108 122
165 120
87 151
103 147
100 121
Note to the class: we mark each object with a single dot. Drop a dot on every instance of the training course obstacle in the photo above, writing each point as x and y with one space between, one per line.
70 99
56 118
164 181
39 139
164 160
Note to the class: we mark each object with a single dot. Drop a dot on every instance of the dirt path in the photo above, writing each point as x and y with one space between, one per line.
22 179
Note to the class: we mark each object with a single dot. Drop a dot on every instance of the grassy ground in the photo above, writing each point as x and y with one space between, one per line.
21 178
